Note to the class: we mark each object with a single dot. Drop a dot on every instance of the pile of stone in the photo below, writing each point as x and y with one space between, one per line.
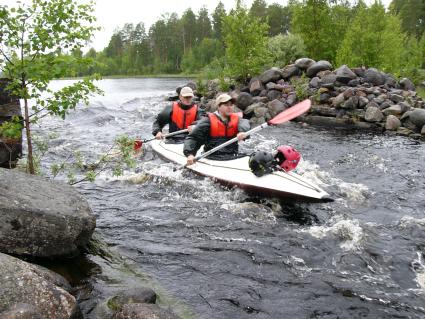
357 97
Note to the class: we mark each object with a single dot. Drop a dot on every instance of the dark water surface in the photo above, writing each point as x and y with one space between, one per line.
215 253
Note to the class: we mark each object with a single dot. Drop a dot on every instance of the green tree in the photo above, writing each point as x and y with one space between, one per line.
188 35
286 48
321 25
412 15
246 44
217 20
31 37
279 19
374 38
203 25
259 9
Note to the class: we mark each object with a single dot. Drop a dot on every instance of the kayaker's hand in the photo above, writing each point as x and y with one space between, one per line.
241 136
190 160
190 128
158 136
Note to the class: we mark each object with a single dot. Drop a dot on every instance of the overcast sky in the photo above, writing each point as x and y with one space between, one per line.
112 14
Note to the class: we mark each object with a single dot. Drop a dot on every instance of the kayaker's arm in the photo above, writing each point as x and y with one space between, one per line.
243 126
197 137
162 119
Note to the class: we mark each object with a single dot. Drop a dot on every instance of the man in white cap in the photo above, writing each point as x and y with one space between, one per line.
216 129
179 116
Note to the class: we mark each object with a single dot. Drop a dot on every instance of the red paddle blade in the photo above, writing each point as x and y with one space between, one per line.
291 113
137 145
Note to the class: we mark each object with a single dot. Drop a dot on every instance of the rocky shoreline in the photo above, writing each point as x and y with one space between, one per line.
45 220
363 98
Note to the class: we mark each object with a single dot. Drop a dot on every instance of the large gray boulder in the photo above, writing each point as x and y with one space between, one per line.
374 77
274 74
33 290
244 100
315 68
417 117
41 218
344 74
304 63
373 114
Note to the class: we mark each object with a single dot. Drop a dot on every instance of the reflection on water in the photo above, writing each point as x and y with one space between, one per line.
223 254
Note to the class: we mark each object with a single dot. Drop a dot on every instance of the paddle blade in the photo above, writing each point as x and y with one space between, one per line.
137 145
291 113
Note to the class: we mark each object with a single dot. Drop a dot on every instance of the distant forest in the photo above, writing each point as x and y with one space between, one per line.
339 31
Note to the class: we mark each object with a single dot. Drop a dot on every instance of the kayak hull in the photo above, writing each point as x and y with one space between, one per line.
236 173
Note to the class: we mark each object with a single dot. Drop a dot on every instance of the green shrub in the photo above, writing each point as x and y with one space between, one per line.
285 49
11 129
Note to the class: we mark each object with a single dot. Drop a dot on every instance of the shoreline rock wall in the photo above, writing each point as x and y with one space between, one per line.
363 98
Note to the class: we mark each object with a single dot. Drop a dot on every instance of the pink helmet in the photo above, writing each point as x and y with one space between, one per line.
288 157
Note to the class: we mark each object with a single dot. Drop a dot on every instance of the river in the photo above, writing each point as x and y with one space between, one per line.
217 253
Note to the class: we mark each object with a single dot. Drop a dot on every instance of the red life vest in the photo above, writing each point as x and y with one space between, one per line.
219 129
183 118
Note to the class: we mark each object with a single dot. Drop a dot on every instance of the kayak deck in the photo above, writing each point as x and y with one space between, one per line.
237 173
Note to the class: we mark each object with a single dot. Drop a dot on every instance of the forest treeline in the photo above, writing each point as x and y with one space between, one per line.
245 40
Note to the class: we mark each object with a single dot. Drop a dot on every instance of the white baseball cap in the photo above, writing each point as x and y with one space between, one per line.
223 98
186 92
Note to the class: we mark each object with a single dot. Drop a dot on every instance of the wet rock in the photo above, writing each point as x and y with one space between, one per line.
263 93
22 311
275 107
249 111
273 74
274 95
359 71
291 99
41 218
23 283
374 77
392 123
304 63
351 103
373 114
144 311
270 86
406 84
290 71
344 74
317 67
315 82
329 80
260 111
338 100
244 100
404 106
363 101
348 93
404 131
395 98
423 130
393 110
390 81
354 82
417 117
255 87
323 110
384 105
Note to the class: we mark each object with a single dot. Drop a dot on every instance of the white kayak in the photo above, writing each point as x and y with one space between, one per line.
237 173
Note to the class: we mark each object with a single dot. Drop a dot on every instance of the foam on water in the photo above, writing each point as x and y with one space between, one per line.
348 232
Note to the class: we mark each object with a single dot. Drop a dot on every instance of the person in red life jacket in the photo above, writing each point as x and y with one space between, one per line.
216 129
179 116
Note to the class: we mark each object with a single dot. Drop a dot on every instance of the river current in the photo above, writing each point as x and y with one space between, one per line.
211 252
